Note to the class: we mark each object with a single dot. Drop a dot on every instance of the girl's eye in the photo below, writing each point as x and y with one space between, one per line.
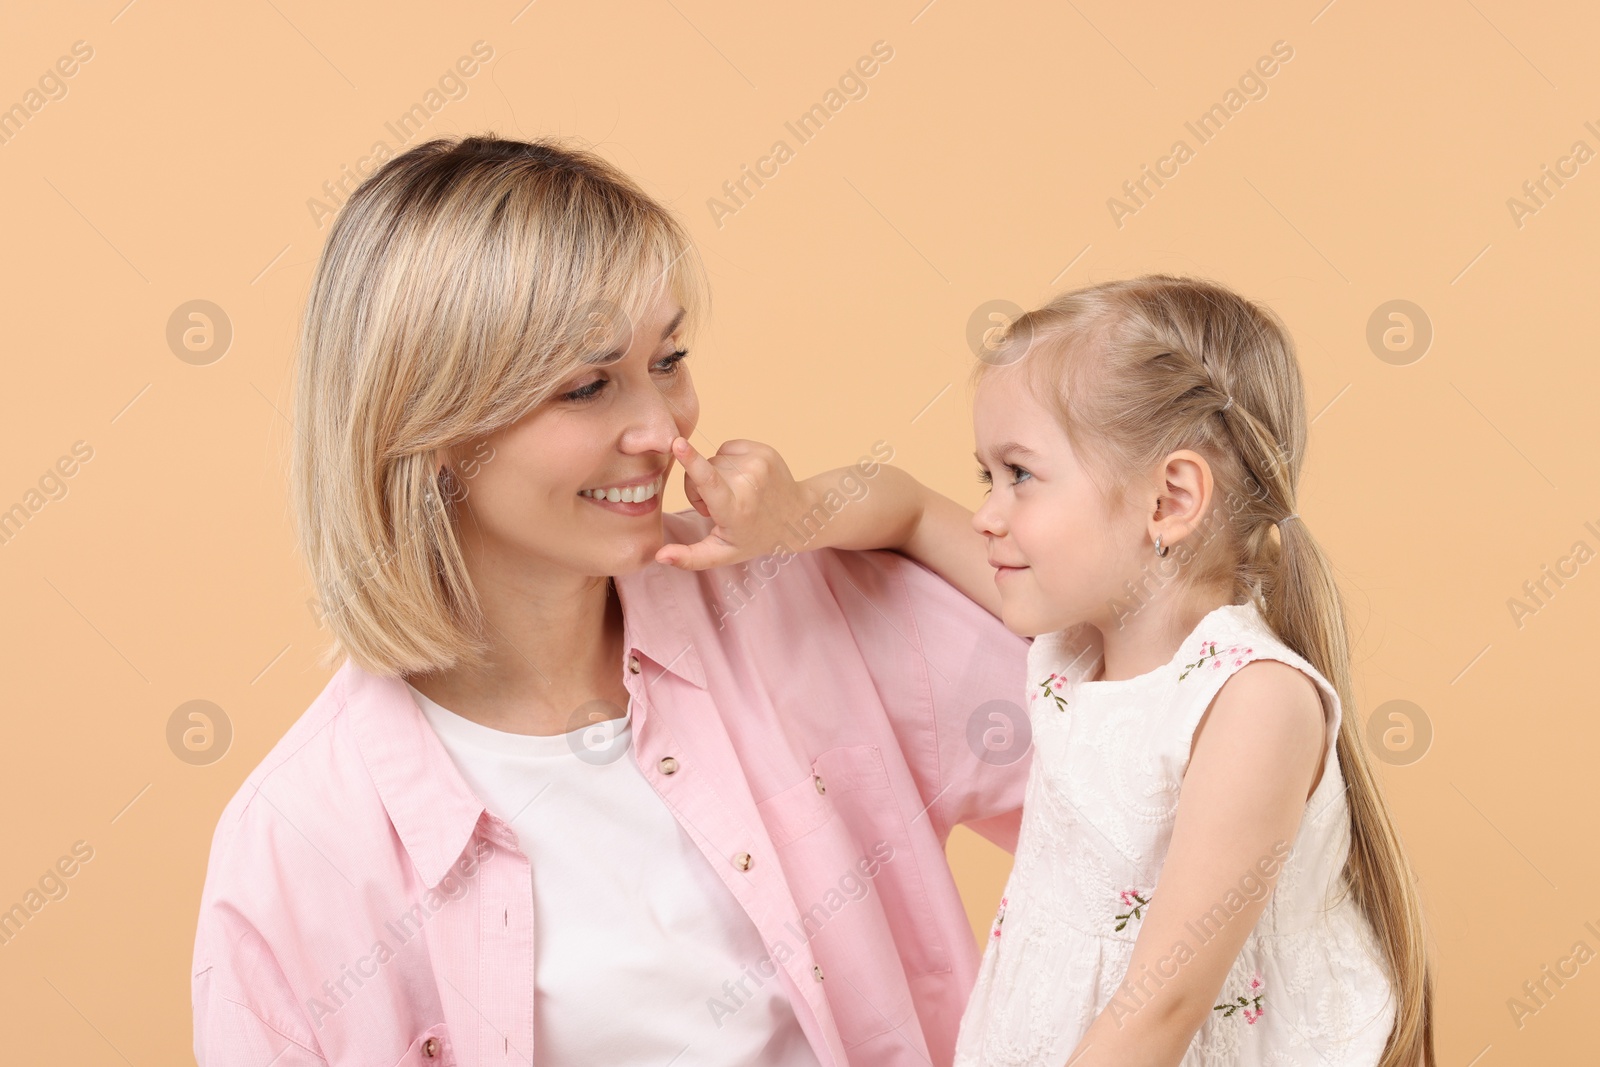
1017 473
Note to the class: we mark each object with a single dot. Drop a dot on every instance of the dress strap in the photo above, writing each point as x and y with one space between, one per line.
1211 658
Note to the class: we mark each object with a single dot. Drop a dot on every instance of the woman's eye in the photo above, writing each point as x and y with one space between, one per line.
586 392
667 366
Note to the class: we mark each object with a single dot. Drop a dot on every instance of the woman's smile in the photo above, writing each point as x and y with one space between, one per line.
639 496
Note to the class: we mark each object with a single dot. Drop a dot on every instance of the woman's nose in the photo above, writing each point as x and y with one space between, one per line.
656 424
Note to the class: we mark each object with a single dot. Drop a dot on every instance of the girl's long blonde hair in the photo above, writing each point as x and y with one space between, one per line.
1136 369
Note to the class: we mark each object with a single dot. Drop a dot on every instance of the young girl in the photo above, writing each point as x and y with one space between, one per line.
1207 872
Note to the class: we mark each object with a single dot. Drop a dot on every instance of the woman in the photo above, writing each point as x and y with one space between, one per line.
562 803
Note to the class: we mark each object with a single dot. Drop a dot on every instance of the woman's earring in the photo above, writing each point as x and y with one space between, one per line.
448 484
1162 552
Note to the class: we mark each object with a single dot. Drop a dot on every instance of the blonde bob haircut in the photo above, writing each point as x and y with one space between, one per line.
460 286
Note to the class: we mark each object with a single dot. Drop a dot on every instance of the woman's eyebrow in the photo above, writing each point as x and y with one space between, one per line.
605 358
673 325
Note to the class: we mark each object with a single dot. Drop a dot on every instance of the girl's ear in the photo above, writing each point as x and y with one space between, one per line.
1187 488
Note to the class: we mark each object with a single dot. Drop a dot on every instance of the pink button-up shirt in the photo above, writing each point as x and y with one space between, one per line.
362 907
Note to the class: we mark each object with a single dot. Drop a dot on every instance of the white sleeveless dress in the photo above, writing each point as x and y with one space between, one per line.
1309 987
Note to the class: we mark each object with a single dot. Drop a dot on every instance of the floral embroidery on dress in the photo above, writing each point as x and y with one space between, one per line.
1049 687
1135 902
1247 1006
1208 651
999 917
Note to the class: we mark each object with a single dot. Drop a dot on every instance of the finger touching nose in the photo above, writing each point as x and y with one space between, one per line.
656 424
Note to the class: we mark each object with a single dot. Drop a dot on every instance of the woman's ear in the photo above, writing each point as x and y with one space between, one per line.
446 476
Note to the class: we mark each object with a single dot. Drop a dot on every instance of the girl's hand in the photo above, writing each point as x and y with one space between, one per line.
759 509
747 491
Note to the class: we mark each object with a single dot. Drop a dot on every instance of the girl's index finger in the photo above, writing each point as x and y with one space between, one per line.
700 471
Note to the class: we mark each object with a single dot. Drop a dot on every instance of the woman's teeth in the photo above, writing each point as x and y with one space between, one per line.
633 494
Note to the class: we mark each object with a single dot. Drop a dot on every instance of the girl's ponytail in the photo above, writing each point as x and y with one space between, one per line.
1306 612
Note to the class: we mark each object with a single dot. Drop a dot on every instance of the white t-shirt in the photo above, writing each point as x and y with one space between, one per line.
634 934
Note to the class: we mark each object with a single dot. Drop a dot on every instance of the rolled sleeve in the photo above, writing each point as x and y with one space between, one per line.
231 1027
245 1010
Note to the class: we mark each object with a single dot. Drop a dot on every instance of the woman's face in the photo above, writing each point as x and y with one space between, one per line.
541 489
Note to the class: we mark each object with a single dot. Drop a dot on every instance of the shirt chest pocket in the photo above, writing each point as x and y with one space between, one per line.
849 832
430 1049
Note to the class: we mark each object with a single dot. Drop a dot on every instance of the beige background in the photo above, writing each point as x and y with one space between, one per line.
1378 166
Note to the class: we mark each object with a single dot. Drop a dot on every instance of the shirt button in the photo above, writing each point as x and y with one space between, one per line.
430 1047
743 861
820 787
633 664
817 972
668 765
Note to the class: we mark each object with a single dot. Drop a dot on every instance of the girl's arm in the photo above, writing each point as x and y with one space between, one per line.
759 509
1253 763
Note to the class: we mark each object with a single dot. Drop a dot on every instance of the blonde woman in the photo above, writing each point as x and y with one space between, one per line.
561 802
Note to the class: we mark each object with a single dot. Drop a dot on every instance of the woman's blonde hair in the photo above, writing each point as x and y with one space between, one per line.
1134 370
461 284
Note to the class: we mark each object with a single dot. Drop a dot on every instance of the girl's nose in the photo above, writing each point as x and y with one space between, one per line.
987 520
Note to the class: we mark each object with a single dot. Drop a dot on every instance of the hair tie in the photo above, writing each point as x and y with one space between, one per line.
1226 406
1286 518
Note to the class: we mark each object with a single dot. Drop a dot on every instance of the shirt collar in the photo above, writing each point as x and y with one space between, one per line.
432 808
656 603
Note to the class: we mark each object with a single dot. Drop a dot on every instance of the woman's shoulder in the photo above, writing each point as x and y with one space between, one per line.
315 760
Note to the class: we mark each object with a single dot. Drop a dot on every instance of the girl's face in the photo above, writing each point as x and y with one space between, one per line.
1061 554
541 488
